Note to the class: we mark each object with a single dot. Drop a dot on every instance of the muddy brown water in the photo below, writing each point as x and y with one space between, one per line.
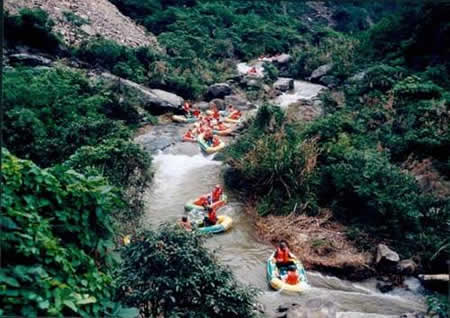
183 172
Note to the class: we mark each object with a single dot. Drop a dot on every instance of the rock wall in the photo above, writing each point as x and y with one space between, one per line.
94 17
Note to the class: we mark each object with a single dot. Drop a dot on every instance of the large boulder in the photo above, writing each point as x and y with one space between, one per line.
282 59
220 103
155 101
329 81
29 59
407 267
219 90
202 106
284 84
321 71
386 256
237 102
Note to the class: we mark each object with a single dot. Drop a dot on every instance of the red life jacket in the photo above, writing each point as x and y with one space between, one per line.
282 256
216 142
212 216
292 278
188 134
216 194
202 200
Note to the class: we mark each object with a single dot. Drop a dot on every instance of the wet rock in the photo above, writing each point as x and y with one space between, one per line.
321 71
219 90
407 267
385 287
29 59
220 103
284 84
386 255
202 105
317 308
155 101
253 82
329 81
237 102
282 59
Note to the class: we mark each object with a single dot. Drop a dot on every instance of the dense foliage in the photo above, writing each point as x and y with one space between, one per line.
33 28
57 234
170 273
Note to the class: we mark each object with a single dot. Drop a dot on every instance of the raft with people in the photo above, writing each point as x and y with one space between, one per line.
201 203
210 148
184 119
223 224
285 272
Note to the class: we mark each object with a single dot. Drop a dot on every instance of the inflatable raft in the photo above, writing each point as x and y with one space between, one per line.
275 281
209 149
186 139
190 205
223 224
230 120
183 119
223 132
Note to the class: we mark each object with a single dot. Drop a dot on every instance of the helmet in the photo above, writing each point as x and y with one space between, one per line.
217 185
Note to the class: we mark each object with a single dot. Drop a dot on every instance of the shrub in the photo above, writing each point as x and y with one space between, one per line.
57 232
169 272
31 27
51 113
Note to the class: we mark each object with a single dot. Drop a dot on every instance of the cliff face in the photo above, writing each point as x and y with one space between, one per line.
78 20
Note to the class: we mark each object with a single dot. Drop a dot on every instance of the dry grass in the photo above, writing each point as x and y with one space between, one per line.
320 242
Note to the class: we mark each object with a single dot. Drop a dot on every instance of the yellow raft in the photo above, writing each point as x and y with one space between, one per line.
209 149
224 223
275 281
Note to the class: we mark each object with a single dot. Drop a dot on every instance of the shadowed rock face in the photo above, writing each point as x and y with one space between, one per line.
100 17
155 101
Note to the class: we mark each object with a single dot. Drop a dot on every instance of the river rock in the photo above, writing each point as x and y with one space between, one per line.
237 102
155 101
314 308
219 90
407 267
321 71
385 287
202 105
329 81
386 255
284 84
282 59
220 103
29 59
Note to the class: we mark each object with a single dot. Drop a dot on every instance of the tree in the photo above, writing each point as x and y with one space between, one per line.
169 273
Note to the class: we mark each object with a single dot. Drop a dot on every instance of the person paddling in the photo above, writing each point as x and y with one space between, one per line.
211 219
185 223
217 193
283 256
292 277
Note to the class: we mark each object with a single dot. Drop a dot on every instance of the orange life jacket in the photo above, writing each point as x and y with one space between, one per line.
200 201
216 142
216 194
292 278
282 256
235 115
188 134
196 113
216 115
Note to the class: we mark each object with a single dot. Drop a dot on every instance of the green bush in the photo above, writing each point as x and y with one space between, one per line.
57 232
31 27
170 273
51 113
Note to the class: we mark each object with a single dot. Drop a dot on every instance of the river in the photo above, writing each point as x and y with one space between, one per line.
183 172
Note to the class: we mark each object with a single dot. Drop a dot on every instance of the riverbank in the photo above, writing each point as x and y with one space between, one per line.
320 242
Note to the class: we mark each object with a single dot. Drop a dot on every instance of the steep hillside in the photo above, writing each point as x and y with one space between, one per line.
83 19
